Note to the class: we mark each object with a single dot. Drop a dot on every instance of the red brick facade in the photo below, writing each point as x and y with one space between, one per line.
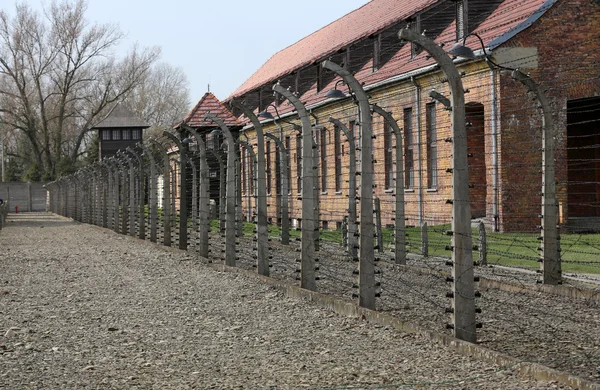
504 126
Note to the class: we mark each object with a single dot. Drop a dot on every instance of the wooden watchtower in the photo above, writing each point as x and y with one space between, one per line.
121 128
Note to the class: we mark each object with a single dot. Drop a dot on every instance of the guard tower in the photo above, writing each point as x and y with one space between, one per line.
121 128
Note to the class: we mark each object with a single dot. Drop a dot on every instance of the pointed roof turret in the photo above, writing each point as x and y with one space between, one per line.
210 103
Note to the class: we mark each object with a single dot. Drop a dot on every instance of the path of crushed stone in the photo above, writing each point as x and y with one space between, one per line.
84 308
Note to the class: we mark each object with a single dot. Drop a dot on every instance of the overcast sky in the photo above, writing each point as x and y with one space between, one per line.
220 43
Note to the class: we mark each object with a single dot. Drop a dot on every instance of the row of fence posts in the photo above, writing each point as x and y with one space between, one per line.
122 193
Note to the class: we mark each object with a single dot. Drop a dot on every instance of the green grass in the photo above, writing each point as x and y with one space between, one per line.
580 252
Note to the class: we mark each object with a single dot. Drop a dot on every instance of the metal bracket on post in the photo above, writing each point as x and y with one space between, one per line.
366 250
550 261
230 239
307 278
262 230
462 256
400 231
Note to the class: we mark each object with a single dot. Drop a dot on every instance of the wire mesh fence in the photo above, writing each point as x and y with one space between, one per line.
287 198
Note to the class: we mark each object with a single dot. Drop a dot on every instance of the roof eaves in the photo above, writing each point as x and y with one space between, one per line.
395 79
324 55
522 26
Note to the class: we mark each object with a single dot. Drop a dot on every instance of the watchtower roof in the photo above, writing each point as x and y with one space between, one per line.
121 117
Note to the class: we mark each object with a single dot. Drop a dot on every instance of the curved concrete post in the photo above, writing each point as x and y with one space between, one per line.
262 230
222 188
107 193
125 199
203 196
352 230
152 194
230 240
550 265
166 201
252 155
183 214
141 179
194 193
132 199
106 187
309 225
462 244
366 294
400 225
114 189
283 161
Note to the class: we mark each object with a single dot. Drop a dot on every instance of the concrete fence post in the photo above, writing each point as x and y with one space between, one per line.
399 217
283 161
203 194
183 214
309 225
550 264
352 231
463 301
262 230
366 251
230 239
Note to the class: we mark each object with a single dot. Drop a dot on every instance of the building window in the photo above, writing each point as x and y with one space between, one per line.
299 162
431 146
268 163
126 134
105 135
116 135
461 20
409 163
376 52
136 134
323 147
337 142
387 156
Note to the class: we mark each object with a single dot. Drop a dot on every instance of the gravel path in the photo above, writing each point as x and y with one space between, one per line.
84 308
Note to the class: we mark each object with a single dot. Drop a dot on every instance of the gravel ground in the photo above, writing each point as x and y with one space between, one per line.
82 307
555 331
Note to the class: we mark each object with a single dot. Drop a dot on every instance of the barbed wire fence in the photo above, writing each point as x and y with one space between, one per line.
163 191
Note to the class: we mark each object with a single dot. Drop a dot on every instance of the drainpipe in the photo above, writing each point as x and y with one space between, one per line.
419 161
495 203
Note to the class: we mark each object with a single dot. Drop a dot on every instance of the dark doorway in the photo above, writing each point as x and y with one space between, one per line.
475 115
583 156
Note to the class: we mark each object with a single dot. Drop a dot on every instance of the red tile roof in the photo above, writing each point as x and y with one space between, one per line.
367 20
210 103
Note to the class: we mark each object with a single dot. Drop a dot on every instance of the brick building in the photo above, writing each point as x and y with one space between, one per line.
556 41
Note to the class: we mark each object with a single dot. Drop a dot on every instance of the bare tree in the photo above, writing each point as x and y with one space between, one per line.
162 99
59 76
